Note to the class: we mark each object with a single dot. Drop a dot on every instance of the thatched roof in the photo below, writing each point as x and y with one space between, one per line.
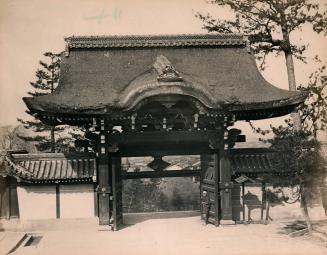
100 75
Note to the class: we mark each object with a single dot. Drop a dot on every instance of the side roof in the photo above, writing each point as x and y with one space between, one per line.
105 74
51 167
81 167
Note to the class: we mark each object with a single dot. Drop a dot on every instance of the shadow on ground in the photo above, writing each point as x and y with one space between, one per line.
130 219
293 227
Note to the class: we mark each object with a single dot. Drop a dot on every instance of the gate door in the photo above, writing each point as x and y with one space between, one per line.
117 203
209 188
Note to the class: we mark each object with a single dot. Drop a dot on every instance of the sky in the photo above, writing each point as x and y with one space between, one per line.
30 28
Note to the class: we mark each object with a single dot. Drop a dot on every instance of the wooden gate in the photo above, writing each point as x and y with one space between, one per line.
209 188
117 198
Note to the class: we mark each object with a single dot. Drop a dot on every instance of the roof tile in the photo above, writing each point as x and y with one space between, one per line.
154 40
52 167
216 69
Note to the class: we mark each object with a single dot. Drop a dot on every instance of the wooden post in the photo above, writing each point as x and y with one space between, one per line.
225 177
5 198
267 210
103 176
96 211
57 201
216 179
117 204
13 198
263 199
243 204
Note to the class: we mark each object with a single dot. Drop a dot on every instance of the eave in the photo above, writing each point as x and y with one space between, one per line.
51 168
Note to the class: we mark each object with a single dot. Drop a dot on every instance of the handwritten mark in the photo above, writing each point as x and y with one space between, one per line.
116 14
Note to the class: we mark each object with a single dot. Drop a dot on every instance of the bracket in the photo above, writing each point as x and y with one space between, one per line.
104 190
226 186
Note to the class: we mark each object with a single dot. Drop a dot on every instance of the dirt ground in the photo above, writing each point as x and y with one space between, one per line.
148 234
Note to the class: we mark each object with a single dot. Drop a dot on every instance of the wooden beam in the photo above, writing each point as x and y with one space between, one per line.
163 149
172 137
161 174
155 143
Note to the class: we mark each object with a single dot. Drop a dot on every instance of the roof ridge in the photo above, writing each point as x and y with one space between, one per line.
127 36
130 41
51 156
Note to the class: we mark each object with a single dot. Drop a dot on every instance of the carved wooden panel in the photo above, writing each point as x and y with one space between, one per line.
209 189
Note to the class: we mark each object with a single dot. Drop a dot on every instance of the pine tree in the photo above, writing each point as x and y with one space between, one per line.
298 155
298 152
269 25
314 110
47 77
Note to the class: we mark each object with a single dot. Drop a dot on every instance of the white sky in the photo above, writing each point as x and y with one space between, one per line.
28 28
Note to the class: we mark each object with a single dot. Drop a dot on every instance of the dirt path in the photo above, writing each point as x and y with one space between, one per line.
176 236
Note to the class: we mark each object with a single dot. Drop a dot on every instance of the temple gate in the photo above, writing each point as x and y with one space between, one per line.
157 96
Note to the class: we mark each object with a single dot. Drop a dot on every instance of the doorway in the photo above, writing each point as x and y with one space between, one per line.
145 185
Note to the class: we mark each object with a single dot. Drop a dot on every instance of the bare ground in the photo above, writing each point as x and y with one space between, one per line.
164 234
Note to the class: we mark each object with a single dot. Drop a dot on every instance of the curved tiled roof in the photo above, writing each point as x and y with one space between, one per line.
109 74
52 167
251 160
81 167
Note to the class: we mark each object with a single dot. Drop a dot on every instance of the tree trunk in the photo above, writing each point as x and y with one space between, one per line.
304 207
291 75
53 146
292 86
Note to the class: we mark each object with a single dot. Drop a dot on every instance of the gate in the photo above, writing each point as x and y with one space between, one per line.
209 188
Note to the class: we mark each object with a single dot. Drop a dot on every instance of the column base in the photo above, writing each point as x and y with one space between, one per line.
104 228
227 222
103 222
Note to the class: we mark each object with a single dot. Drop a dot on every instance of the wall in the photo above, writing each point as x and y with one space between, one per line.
278 210
37 202
76 201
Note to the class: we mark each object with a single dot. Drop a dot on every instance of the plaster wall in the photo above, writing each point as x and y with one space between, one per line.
37 202
76 201
277 211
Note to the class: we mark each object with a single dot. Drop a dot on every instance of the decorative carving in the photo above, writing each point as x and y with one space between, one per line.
158 164
160 63
169 74
166 71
